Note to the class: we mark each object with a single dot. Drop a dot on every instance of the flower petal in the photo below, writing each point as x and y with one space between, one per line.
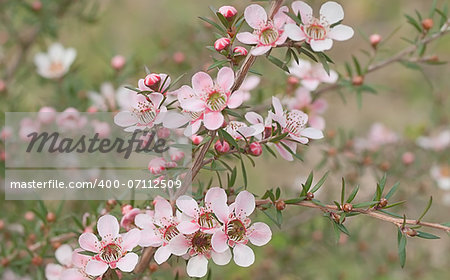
312 133
143 221
294 32
255 16
96 268
193 104
108 227
197 266
254 118
174 120
149 238
163 209
52 272
280 17
128 262
125 118
72 274
304 9
243 255
260 234
260 50
89 242
162 254
332 12
131 239
225 78
247 38
341 33
283 152
245 203
219 241
179 245
187 227
213 120
215 195
64 254
235 100
321 45
221 258
187 205
201 82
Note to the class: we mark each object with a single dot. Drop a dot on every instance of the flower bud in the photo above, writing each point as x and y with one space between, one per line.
2 85
196 139
36 260
383 202
221 44
409 231
280 205
222 147
255 149
157 165
2 224
36 6
152 81
427 24
240 51
118 62
293 80
408 158
347 207
51 217
4 262
385 166
153 267
228 12
111 202
29 216
358 80
332 151
375 39
126 208
179 57
309 195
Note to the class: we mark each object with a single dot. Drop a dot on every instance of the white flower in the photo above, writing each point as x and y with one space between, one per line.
312 75
56 62
437 143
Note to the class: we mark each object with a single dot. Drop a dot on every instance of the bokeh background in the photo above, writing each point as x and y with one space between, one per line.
158 33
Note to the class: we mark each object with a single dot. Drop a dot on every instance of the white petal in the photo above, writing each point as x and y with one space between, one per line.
64 255
247 38
197 266
128 262
260 50
260 234
304 9
225 78
221 258
312 133
341 33
321 45
162 254
255 16
294 32
332 12
108 227
125 118
96 268
243 255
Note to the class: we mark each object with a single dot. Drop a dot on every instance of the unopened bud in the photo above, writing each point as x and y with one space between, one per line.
163 133
383 203
240 51
4 262
118 62
153 267
152 81
228 12
179 57
309 195
126 208
255 149
385 166
56 244
196 139
2 224
222 147
408 158
427 24
293 80
51 217
29 216
367 160
336 217
358 80
409 231
221 44
36 6
347 207
36 260
332 151
375 39
2 85
111 202
280 205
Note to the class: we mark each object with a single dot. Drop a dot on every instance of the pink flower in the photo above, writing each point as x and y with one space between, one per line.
56 63
196 139
229 12
408 158
221 44
207 99
267 33
237 229
113 251
118 62
175 154
304 102
200 218
46 115
441 174
6 133
375 39
249 84
378 135
239 130
28 126
127 220
71 119
318 31
312 75
64 256
437 142
77 271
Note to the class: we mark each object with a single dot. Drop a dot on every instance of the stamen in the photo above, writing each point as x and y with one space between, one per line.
236 230
111 253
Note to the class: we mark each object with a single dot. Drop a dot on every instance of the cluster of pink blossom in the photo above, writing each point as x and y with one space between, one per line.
198 232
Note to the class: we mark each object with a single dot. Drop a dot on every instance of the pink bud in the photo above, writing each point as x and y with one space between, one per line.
196 139
163 133
408 158
171 164
36 6
2 224
152 80
375 39
179 57
92 109
2 85
222 147
29 216
240 51
175 154
157 165
126 208
293 80
5 133
88 229
228 12
118 62
221 44
46 115
256 149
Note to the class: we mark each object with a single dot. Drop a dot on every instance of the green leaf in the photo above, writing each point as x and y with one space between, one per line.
324 61
296 18
309 181
343 229
232 178
357 65
294 200
401 248
278 63
223 20
426 235
343 191
414 23
217 64
353 194
277 193
394 204
426 209
365 204
320 183
390 213
392 190
87 253
244 173
220 28
270 150
307 53
228 138
279 137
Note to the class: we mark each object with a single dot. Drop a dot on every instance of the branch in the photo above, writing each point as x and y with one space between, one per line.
143 263
369 212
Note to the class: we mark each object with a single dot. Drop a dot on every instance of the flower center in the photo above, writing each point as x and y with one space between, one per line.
170 232
315 31
201 242
216 101
268 36
111 253
236 230
56 67
145 113
295 122
207 221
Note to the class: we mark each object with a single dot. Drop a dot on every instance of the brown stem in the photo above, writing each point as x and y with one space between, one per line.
146 257
369 212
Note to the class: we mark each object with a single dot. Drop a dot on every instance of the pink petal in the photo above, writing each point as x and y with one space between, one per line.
247 38
125 118
255 16
155 98
310 84
243 255
128 262
163 209
225 78
166 80
325 78
187 205
317 122
283 152
213 120
219 241
162 254
64 254
179 245
174 120
341 33
304 9
215 195
235 100
254 118
260 50
193 104
187 227
312 133
250 83
143 221
201 82
79 260
332 12
131 239
280 17
260 234
245 203
321 45
108 227
184 92
96 268
320 105
197 266
89 242
53 271
221 258
72 274
149 238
